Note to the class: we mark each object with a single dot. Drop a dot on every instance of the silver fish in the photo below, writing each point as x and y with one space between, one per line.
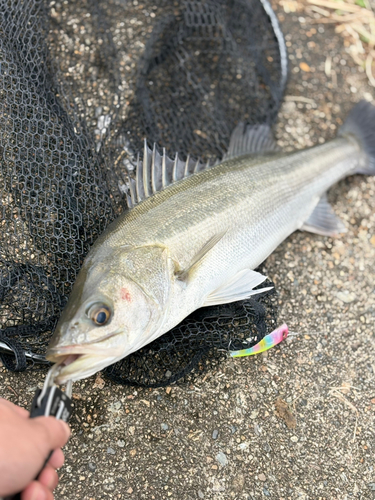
196 233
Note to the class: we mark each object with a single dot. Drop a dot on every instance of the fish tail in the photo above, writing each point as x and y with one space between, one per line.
361 124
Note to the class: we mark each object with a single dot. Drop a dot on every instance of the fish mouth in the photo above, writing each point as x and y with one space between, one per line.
78 361
79 365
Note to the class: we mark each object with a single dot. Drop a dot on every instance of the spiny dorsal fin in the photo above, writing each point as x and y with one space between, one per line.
157 171
251 139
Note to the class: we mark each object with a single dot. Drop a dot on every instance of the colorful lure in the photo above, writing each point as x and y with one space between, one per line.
266 343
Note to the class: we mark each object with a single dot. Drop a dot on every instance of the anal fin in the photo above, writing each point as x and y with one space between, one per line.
323 220
240 287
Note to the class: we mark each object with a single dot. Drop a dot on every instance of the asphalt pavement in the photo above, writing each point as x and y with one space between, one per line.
297 422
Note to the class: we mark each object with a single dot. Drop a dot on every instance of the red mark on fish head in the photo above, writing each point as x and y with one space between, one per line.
125 295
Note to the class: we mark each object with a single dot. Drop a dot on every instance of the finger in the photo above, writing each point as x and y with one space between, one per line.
36 491
21 411
57 459
48 478
51 433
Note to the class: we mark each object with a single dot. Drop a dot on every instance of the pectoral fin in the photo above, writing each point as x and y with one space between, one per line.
323 220
240 287
184 275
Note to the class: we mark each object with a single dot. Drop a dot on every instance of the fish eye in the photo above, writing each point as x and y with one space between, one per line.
99 314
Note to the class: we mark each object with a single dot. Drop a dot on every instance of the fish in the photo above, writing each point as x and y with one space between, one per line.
194 235
266 343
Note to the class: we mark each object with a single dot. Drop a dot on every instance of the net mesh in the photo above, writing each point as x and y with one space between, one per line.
81 85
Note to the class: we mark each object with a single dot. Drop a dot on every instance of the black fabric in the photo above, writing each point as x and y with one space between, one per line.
15 362
81 85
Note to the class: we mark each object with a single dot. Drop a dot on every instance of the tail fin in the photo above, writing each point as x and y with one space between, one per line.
361 124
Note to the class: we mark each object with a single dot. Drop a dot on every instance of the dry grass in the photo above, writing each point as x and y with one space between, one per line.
354 20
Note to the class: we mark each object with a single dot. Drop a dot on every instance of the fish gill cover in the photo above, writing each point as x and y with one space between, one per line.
81 84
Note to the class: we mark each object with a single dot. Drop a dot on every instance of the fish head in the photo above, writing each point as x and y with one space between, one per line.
115 307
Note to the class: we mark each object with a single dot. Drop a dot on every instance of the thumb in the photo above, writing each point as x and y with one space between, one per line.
50 433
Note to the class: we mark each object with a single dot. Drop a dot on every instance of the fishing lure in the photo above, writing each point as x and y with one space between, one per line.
266 343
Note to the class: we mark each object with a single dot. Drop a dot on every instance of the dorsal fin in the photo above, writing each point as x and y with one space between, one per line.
251 139
156 171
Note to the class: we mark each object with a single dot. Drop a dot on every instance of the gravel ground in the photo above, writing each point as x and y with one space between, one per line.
297 422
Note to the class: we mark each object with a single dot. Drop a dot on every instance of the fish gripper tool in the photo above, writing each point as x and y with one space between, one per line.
50 401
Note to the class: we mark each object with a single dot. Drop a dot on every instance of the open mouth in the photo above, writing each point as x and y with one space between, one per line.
76 366
70 359
77 361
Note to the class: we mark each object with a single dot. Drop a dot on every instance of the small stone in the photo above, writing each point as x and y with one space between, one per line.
266 492
372 240
257 429
371 486
254 414
129 490
284 412
115 406
92 466
120 443
262 477
99 382
111 451
215 434
305 67
346 297
82 478
200 494
222 458
100 122
238 483
294 439
164 427
217 487
133 453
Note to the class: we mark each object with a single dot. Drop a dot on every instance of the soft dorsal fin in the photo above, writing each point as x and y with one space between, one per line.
323 220
156 171
251 139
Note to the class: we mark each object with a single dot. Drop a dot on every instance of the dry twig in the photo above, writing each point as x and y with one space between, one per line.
335 393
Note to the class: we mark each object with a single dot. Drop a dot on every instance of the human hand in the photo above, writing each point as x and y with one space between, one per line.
25 443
